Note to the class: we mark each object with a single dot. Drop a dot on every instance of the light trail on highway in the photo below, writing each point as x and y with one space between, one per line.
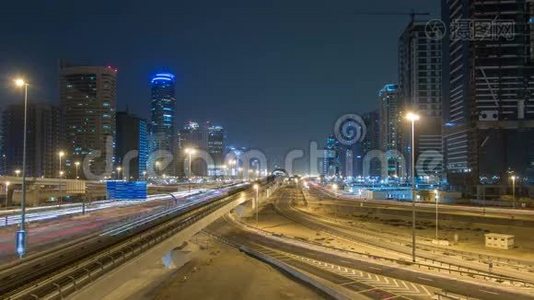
52 212
79 262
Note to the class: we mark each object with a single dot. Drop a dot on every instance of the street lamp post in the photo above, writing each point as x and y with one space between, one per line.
158 167
436 192
77 165
189 152
21 234
7 183
513 190
60 199
119 169
17 172
7 195
334 187
257 189
412 117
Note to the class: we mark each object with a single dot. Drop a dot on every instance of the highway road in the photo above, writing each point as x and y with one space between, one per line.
398 244
78 262
49 226
363 277
12 216
499 215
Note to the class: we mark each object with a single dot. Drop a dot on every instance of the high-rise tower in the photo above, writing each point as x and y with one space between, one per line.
162 125
88 100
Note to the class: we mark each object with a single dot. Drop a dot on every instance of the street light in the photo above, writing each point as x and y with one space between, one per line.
257 189
436 193
119 169
21 233
77 165
61 154
17 172
7 195
7 183
335 187
158 164
413 117
513 177
189 152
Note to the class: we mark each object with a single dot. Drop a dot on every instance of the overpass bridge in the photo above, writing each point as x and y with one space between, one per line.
39 189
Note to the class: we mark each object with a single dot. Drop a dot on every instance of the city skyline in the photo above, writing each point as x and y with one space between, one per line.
280 76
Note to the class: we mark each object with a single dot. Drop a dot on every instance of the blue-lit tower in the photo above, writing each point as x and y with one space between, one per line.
163 105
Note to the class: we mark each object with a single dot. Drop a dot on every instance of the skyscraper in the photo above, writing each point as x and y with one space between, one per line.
488 83
88 100
43 144
132 135
162 124
390 125
216 148
420 89
207 137
370 142
192 135
332 157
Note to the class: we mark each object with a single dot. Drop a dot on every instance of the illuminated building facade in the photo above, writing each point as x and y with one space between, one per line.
162 123
132 135
488 107
88 99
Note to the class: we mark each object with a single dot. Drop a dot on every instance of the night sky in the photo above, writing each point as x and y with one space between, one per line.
275 74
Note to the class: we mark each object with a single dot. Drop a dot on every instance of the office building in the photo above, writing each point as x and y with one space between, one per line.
88 100
370 142
132 145
488 79
390 114
162 124
420 92
332 162
216 139
43 139
192 136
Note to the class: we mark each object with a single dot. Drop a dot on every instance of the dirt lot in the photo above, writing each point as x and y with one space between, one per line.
218 271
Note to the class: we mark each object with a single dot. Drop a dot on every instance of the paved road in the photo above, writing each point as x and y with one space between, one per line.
49 227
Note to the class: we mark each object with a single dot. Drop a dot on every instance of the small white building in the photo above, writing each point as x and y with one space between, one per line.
500 241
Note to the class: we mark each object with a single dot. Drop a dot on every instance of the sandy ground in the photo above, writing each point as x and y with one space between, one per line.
218 271
470 234
271 221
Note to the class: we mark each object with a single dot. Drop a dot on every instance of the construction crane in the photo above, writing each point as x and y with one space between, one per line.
412 14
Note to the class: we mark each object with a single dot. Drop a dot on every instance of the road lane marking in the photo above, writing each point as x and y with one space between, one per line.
489 292
426 279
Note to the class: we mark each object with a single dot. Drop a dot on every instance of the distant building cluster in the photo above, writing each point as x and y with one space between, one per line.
474 97
87 128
